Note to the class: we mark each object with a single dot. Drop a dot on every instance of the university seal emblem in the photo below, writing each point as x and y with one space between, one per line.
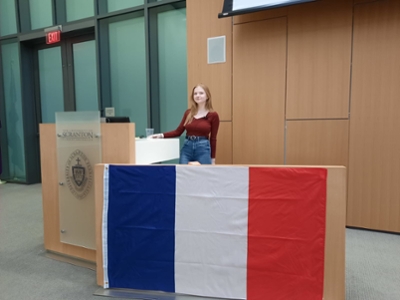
79 174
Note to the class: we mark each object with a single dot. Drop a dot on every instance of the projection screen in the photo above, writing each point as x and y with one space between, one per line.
237 7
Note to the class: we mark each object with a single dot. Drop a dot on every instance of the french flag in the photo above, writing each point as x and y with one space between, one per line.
216 231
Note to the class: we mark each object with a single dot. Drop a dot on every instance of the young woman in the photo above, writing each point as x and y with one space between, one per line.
201 123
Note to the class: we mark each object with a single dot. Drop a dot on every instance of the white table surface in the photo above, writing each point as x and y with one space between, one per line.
150 151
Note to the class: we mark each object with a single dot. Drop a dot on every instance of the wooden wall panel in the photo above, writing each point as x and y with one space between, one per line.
261 15
317 142
374 162
319 53
224 144
328 75
259 92
203 23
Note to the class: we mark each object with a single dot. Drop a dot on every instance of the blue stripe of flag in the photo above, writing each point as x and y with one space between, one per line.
141 227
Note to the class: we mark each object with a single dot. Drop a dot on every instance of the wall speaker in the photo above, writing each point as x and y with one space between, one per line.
216 50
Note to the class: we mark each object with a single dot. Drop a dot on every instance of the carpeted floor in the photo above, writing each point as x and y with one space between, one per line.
372 265
372 259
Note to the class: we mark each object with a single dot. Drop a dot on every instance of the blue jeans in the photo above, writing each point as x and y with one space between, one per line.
197 149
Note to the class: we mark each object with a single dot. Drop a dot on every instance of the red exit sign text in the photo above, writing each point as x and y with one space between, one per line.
53 37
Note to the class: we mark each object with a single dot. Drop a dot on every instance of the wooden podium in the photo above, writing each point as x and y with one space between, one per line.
118 146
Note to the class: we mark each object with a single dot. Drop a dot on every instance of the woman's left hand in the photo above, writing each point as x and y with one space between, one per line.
156 136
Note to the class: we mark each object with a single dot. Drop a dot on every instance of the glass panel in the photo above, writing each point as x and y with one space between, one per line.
51 83
13 104
8 23
85 76
172 61
41 13
113 5
78 9
128 71
78 151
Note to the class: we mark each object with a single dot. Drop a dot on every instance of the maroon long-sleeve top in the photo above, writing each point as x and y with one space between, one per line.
206 126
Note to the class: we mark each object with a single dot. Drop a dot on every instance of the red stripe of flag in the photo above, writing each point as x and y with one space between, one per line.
286 233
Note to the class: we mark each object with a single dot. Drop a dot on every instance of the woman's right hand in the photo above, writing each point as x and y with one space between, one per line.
156 136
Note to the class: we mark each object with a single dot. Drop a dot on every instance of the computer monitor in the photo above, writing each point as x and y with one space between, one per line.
117 120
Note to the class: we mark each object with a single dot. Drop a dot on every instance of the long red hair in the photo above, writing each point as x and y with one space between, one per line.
194 106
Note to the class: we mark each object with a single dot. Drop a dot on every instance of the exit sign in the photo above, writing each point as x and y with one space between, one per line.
53 37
